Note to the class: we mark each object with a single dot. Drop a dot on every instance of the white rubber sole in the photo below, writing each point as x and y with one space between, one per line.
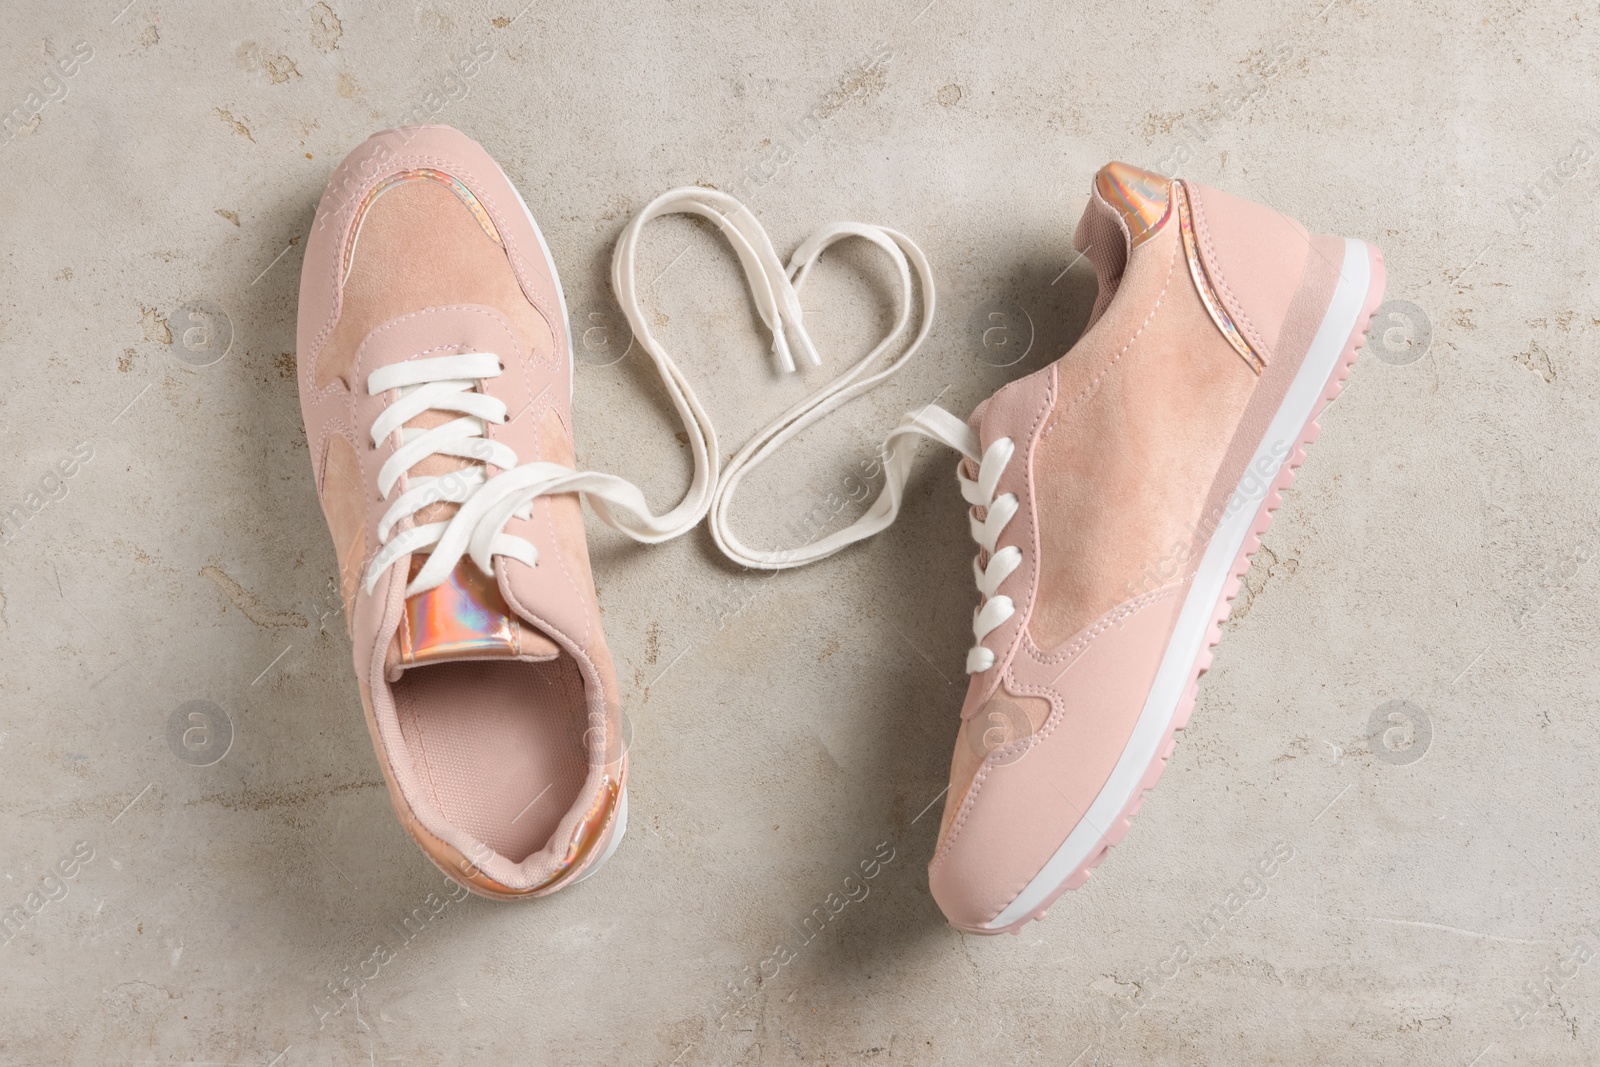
1177 670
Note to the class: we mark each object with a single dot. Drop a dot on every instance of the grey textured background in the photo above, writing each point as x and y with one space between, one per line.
1440 903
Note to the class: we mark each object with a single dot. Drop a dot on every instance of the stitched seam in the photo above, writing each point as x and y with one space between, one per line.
1057 714
494 314
336 429
1046 690
468 178
1100 626
421 755
1200 277
474 309
1106 368
554 632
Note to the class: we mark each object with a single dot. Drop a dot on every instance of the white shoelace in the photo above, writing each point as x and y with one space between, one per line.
997 511
448 383
487 503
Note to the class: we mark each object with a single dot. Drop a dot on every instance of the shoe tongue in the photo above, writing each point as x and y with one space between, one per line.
464 618
975 420
1127 207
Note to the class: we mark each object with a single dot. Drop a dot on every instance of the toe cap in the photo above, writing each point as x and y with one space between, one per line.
1003 848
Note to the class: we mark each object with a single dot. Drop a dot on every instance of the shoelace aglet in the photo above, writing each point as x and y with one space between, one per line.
808 348
780 347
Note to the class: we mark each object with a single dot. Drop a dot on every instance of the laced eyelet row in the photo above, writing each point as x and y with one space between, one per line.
994 609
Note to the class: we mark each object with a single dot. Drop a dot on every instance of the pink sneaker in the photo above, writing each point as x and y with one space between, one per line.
1117 495
435 376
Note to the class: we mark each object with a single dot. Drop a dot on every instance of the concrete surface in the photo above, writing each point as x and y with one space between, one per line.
1438 905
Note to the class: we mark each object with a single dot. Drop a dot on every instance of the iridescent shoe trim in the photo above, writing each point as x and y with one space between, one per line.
464 194
1141 197
1202 284
465 617
589 833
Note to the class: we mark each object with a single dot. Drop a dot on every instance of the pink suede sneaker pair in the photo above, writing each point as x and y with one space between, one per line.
1116 496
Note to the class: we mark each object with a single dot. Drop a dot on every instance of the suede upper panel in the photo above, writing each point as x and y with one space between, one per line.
1140 427
419 246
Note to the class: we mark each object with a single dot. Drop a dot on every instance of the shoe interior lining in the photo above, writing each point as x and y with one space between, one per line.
498 746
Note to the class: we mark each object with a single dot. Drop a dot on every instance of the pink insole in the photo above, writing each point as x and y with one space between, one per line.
498 746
